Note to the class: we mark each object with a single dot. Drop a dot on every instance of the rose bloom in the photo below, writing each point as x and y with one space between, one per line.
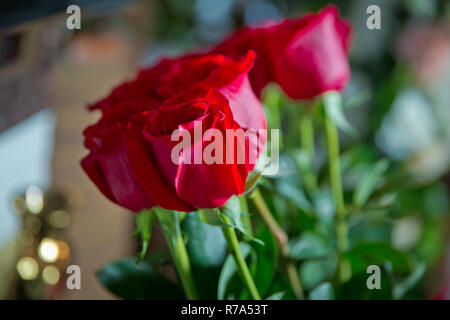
305 57
250 38
131 146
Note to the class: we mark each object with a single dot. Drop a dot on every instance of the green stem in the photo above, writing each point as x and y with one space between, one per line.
244 272
336 184
181 259
282 241
307 144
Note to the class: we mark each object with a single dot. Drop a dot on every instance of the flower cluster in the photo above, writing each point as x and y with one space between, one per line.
311 204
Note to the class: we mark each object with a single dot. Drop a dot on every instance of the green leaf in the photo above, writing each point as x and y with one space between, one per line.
159 258
356 288
252 181
435 200
308 246
369 182
323 291
276 296
213 217
313 272
232 210
433 241
333 107
286 167
302 159
267 257
324 205
357 156
401 288
229 271
206 244
365 254
144 220
207 251
254 175
293 192
130 280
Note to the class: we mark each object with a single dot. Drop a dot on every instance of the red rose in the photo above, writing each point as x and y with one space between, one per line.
130 157
306 56
309 55
250 38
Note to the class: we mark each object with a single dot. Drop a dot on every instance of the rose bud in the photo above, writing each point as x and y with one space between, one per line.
306 56
310 54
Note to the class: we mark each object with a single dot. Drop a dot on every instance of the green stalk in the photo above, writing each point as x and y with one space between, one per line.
307 144
336 184
244 272
180 257
282 241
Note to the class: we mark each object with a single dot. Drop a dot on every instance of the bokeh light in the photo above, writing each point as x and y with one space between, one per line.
27 268
34 199
50 275
48 250
64 250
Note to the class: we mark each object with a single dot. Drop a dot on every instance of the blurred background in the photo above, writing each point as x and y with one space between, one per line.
52 216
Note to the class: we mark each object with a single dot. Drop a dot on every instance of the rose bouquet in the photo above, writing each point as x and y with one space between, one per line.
185 145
